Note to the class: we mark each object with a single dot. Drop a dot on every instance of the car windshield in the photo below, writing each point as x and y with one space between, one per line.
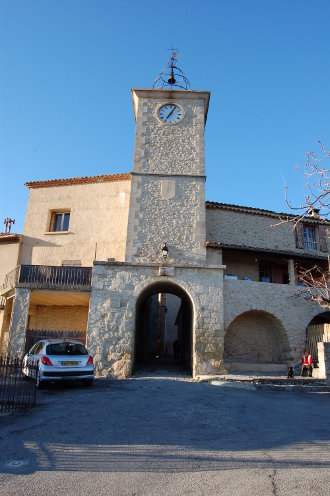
66 349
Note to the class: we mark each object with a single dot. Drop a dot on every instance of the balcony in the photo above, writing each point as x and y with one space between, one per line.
48 277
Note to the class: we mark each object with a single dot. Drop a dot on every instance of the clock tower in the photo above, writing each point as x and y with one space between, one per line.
165 245
168 180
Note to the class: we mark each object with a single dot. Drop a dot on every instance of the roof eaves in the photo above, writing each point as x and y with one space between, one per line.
79 180
281 216
5 237
218 245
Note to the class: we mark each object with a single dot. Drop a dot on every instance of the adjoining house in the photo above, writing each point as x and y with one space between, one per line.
140 267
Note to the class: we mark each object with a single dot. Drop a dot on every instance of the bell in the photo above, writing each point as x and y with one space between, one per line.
171 79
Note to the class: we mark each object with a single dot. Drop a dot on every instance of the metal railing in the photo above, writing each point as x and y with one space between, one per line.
17 392
11 278
35 335
49 276
310 245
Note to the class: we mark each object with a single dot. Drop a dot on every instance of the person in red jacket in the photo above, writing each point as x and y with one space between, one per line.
307 363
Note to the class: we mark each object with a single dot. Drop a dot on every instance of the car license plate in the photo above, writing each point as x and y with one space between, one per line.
69 363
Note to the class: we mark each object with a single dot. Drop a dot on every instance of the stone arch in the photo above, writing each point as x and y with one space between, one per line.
256 337
145 339
317 330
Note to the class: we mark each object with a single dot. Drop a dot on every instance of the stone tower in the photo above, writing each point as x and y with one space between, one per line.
167 205
168 181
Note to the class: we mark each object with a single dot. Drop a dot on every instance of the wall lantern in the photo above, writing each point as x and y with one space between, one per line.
165 251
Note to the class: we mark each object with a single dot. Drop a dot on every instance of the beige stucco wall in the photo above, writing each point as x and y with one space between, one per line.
5 325
98 214
9 258
58 318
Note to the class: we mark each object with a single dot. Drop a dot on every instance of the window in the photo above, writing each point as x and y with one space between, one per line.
66 349
59 221
36 349
309 238
265 272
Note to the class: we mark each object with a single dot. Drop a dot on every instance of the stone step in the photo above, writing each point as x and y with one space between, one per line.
256 368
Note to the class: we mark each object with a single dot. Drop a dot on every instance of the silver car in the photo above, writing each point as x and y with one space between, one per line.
58 360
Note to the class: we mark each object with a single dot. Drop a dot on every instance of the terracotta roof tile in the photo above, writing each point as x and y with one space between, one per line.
10 237
79 180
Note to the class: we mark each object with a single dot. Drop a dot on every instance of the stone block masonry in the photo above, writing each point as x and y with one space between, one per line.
167 150
278 300
323 372
167 202
179 221
116 290
20 315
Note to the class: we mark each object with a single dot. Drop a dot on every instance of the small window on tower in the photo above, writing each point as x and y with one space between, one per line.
59 221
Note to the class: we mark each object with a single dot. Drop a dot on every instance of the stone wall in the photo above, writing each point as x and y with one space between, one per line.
179 221
116 289
280 301
167 203
19 321
98 222
61 318
256 337
323 372
250 229
174 149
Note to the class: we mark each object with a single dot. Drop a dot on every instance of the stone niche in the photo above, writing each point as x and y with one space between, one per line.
117 289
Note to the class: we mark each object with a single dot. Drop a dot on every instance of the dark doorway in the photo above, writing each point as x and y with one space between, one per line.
163 332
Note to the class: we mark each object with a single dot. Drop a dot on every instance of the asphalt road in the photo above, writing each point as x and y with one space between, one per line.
166 437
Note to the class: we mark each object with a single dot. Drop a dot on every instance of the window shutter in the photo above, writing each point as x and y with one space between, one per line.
299 236
323 231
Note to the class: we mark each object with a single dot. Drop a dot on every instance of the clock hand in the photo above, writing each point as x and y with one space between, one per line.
170 113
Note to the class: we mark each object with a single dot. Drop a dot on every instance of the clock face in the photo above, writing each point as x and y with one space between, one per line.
170 113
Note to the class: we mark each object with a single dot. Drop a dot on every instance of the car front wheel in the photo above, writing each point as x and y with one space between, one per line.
39 383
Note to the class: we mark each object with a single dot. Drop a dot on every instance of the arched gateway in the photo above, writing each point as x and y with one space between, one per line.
163 327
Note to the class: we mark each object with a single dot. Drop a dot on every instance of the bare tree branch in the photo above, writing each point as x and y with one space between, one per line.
315 284
314 281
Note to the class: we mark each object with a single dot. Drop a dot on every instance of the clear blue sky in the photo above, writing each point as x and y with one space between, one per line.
67 68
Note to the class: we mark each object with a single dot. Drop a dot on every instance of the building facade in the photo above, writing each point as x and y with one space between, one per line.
140 267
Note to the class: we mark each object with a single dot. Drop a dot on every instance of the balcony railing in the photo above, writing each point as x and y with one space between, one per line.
310 245
48 276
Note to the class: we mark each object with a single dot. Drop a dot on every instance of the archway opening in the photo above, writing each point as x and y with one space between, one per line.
163 328
256 342
318 330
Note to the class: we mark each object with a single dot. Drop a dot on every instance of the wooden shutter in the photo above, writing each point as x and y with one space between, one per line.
299 236
323 234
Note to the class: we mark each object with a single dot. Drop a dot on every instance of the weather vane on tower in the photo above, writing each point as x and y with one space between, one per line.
172 76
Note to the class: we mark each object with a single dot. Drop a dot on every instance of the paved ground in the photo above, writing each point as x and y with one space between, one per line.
167 437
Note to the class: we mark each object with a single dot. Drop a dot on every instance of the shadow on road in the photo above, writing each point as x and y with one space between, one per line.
165 425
